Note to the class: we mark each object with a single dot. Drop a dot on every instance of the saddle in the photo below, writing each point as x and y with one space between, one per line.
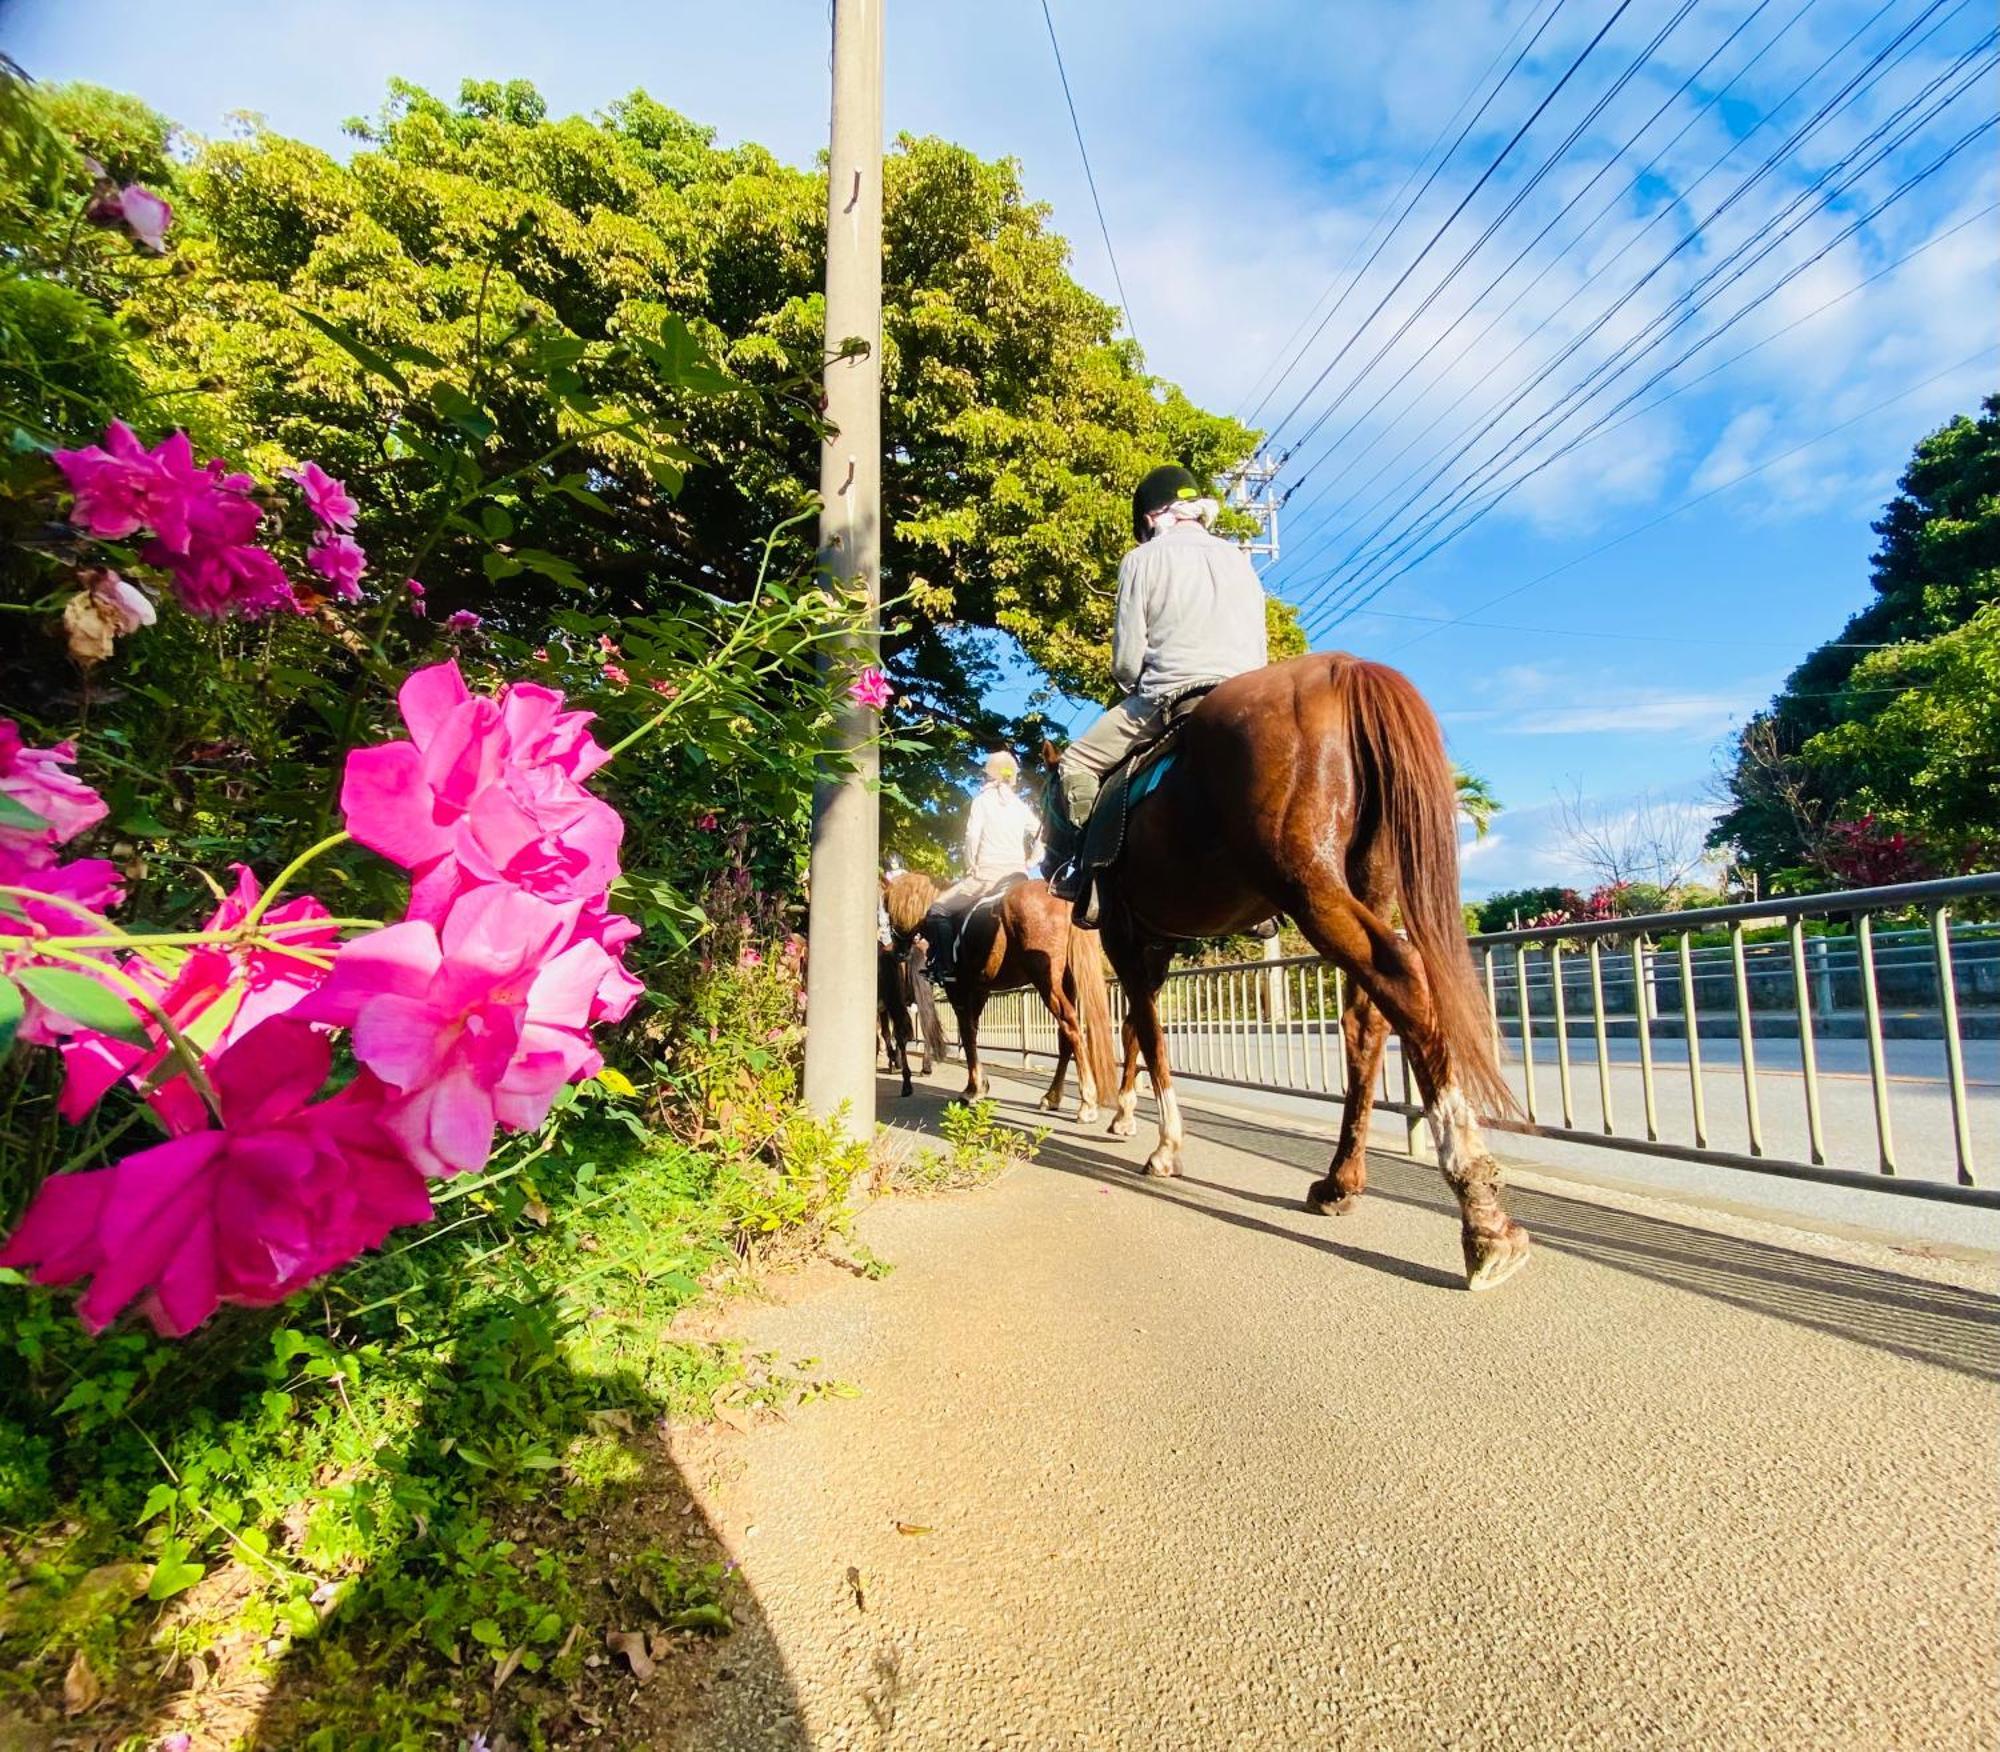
1131 783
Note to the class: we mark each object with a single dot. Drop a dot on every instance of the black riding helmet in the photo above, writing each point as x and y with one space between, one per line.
1163 487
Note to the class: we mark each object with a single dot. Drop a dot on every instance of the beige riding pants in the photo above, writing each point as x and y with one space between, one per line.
1128 727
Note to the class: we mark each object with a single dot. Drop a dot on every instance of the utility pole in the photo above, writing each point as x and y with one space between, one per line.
1251 489
847 828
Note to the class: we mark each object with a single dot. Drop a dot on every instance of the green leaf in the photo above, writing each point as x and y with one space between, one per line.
158 1500
485 1631
682 361
551 566
458 409
83 999
11 1010
17 815
374 363
175 1572
495 521
711 1619
498 566
575 487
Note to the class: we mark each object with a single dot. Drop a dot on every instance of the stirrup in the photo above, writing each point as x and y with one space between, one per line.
1068 882
1267 930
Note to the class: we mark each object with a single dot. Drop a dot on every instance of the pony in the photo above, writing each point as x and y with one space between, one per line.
1319 788
1022 936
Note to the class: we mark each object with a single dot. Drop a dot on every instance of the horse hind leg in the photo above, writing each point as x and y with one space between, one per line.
1393 975
1070 1046
1125 1120
1142 987
1364 1032
1051 1101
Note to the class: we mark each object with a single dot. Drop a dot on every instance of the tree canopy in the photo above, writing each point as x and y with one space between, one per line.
1880 757
1014 419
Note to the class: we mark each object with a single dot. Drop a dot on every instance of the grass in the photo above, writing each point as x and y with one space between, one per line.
406 1508
978 1149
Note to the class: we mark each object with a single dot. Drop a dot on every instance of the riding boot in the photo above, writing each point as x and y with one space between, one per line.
1267 930
940 932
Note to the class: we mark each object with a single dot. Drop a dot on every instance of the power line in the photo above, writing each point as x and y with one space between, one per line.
1441 621
1355 254
1701 498
1688 304
1076 126
1521 194
1526 49
1492 285
1371 581
1509 400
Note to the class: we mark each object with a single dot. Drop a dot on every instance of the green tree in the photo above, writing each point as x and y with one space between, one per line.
1894 719
1014 421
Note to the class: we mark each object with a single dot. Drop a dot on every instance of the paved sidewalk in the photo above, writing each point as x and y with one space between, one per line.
1200 1470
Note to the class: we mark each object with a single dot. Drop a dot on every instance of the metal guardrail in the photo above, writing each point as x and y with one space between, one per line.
1909 1006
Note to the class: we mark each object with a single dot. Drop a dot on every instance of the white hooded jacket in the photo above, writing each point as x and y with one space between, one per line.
1002 833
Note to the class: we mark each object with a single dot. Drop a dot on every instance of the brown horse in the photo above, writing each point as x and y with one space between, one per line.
1320 788
898 987
1018 938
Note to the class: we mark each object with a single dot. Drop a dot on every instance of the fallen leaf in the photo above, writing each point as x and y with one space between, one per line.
507 1668
857 1585
569 1642
632 1645
735 1417
600 1421
913 1532
102 1592
81 1687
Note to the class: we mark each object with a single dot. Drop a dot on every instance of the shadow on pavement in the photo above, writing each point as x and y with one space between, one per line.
1941 1324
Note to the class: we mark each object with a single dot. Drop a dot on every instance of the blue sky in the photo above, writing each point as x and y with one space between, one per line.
1246 156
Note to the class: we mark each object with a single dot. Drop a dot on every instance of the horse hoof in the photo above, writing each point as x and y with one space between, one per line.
1163 1165
1490 1260
1122 1128
1325 1199
1045 1105
1087 1116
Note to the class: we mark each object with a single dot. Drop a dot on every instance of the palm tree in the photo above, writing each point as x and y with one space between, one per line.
1476 801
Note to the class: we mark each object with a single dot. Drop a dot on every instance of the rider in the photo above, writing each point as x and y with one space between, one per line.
1003 838
1190 613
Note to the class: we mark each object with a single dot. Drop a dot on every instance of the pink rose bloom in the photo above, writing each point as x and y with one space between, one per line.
91 883
616 676
326 498
217 569
750 958
339 559
541 653
665 689
214 583
474 1024
121 487
34 778
219 994
461 620
285 1192
870 688
486 790
605 644
141 212
708 824
617 991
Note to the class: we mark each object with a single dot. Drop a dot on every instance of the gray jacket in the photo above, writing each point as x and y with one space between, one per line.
1190 608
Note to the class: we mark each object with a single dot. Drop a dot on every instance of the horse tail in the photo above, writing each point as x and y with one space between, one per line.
927 1011
1093 1008
1404 767
907 896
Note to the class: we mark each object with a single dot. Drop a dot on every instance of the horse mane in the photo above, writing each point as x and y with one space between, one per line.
908 896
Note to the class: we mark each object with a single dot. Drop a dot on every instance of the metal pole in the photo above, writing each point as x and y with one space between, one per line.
846 844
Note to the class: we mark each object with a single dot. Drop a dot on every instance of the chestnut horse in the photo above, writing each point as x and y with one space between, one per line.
1020 937
1319 788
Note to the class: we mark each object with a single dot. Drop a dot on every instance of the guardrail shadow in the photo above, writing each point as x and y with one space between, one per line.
1940 1324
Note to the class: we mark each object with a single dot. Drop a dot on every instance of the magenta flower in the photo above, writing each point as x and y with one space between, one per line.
617 991
871 689
474 1024
91 883
616 676
141 212
326 498
338 559
34 778
121 487
485 790
709 824
461 620
284 1192
218 995
607 646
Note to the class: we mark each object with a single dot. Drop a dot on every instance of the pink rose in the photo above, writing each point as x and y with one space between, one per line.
338 559
34 778
616 676
91 883
283 1193
326 498
870 688
485 790
473 1024
141 212
461 620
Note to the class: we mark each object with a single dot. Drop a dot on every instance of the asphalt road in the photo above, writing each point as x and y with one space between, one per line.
1176 1465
